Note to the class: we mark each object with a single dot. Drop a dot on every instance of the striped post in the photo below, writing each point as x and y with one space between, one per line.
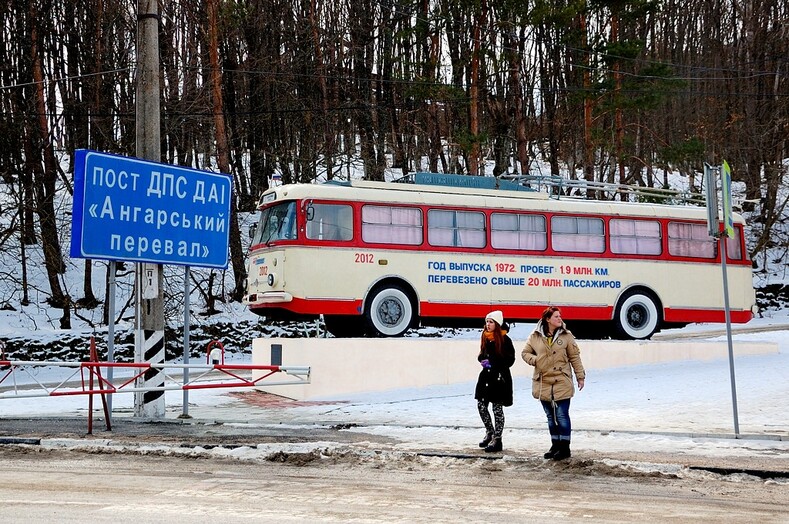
149 341
153 352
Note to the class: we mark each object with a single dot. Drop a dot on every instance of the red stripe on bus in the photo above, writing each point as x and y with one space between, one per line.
304 306
705 315
432 309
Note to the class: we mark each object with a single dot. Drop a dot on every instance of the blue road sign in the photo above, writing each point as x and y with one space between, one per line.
141 211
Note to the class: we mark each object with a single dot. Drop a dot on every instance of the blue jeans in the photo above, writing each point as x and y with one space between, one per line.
558 413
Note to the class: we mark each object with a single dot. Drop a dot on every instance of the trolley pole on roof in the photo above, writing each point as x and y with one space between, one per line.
149 329
722 234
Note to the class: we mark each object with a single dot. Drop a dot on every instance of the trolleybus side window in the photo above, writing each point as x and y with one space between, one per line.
584 235
690 240
392 225
455 228
330 222
513 231
635 237
733 250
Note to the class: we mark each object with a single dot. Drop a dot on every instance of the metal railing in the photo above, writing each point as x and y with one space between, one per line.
558 187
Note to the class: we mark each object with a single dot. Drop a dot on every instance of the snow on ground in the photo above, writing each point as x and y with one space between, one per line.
682 407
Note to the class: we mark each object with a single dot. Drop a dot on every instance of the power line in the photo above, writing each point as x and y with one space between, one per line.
66 78
738 74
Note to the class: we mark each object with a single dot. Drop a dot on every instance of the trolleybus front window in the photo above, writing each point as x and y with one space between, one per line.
277 223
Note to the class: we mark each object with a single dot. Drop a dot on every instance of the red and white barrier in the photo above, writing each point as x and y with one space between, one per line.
90 378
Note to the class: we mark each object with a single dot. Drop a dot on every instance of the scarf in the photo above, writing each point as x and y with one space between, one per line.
489 334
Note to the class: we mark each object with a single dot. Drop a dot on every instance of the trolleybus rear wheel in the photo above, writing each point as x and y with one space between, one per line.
637 315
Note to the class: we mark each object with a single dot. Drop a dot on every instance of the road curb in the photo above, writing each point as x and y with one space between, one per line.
20 440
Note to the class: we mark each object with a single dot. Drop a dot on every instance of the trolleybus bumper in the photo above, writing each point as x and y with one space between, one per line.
271 297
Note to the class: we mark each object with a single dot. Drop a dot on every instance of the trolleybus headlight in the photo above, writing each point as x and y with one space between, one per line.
272 278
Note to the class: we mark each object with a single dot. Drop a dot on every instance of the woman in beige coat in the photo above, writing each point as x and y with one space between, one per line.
553 352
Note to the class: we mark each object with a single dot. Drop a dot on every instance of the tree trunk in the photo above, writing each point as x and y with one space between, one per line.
587 83
474 167
223 157
521 140
45 182
618 126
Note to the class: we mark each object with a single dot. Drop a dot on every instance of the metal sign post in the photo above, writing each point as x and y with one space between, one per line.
111 326
187 290
722 235
727 310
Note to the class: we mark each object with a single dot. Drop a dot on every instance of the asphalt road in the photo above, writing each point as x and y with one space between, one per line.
191 471
44 485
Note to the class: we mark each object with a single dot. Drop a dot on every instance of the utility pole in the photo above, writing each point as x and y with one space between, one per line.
149 318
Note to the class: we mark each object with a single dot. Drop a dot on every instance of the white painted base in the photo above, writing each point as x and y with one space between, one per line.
349 366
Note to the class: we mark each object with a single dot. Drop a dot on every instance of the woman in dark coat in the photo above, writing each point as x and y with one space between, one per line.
494 385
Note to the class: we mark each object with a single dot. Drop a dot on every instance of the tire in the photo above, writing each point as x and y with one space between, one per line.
344 326
389 312
637 316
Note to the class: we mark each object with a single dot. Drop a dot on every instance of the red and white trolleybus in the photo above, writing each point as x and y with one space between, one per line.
376 259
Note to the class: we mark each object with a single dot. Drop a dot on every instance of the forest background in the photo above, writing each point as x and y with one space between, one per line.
617 91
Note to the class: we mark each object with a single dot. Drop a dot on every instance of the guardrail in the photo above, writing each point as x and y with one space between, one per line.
90 378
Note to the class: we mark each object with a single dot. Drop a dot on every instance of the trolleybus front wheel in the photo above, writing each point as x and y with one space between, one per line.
389 312
637 315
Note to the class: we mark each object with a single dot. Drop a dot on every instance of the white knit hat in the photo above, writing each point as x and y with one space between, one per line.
497 316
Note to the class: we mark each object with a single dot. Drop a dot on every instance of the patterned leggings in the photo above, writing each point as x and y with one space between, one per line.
498 416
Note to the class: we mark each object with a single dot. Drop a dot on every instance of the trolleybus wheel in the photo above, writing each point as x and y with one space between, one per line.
389 312
637 315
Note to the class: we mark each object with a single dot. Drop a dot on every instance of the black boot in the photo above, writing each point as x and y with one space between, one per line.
495 445
554 448
486 440
563 452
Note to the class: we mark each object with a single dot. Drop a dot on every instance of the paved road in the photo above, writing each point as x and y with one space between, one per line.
45 486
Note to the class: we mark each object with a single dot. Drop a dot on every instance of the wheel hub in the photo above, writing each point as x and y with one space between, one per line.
390 312
637 316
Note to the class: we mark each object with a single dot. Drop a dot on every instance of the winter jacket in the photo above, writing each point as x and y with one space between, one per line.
495 384
553 376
